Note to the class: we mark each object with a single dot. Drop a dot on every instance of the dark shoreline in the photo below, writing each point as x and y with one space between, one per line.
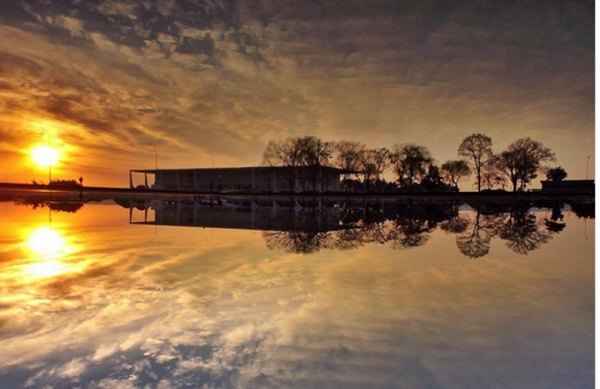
11 188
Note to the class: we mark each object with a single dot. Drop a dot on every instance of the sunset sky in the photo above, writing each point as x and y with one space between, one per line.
209 82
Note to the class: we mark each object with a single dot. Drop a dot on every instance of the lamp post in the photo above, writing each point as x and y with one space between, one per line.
587 167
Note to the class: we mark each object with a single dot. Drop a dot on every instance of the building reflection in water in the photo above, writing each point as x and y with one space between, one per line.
309 225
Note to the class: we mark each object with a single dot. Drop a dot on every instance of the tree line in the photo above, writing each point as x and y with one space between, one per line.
414 167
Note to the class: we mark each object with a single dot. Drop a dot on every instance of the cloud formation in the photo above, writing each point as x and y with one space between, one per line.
210 82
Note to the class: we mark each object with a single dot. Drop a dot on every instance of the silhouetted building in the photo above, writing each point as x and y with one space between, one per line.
568 186
260 179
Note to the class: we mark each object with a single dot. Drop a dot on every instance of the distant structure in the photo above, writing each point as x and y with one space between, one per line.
258 179
568 186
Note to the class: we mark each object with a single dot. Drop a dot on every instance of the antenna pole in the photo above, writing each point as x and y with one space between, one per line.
587 168
155 158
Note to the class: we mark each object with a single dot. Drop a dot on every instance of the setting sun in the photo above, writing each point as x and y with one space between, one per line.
45 156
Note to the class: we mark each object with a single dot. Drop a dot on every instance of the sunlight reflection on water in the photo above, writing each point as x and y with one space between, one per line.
456 301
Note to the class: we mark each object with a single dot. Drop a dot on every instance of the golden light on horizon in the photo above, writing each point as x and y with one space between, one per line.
45 156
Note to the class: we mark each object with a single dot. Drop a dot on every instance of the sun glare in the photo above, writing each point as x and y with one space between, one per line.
45 156
48 249
46 242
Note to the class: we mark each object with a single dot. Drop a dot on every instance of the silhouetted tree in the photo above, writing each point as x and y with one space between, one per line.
373 163
453 171
522 160
314 151
307 151
478 148
303 151
556 174
410 163
348 156
282 153
432 181
491 175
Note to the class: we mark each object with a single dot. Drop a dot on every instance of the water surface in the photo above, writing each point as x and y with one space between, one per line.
214 297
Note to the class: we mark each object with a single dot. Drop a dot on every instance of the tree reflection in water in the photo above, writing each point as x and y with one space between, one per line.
475 240
519 227
298 241
522 231
345 225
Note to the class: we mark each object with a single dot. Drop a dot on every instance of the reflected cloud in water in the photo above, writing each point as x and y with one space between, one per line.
162 304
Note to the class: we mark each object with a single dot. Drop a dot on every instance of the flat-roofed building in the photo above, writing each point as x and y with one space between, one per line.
568 186
258 179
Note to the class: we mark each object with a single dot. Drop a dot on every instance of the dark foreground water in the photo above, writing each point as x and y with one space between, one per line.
417 296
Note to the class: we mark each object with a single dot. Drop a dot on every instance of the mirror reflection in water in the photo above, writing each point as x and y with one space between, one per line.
304 225
233 292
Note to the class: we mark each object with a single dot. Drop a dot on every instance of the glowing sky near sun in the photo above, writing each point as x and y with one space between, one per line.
210 83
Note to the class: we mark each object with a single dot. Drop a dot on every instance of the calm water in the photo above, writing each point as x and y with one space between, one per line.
407 297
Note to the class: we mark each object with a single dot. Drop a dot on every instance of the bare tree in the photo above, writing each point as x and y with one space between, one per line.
287 152
308 151
478 148
348 156
314 151
522 160
410 162
303 151
492 175
453 171
373 163
273 154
